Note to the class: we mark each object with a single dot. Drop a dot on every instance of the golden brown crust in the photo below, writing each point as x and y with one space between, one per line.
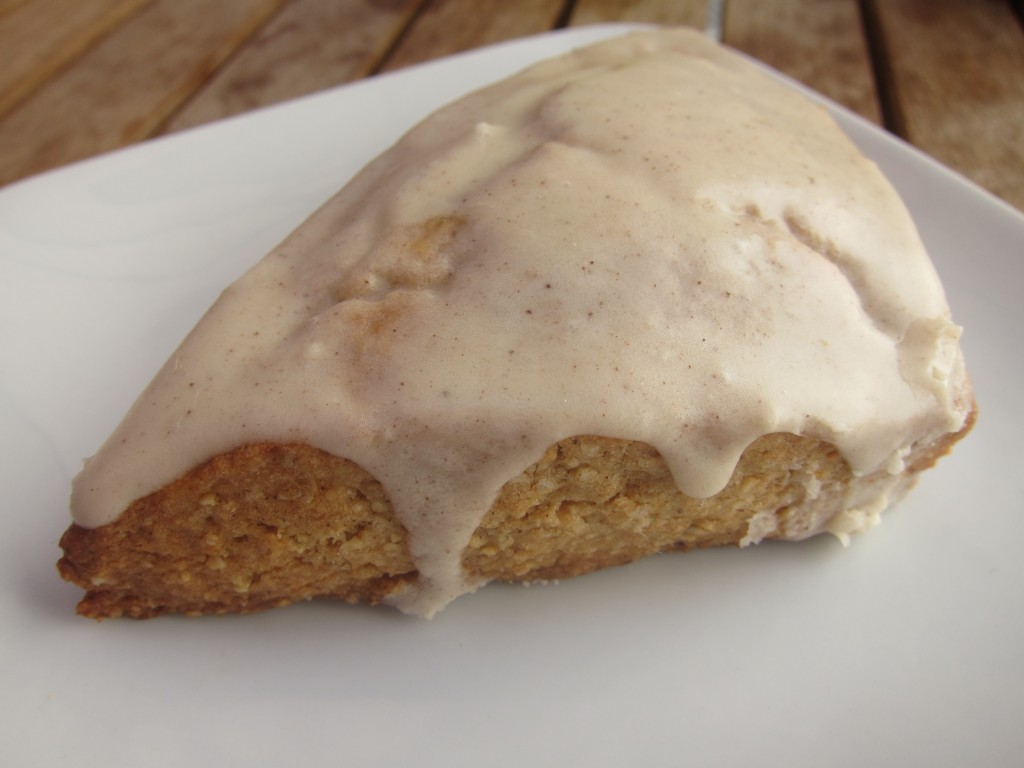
266 525
590 503
258 527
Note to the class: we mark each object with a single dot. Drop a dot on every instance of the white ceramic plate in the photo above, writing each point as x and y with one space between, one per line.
907 648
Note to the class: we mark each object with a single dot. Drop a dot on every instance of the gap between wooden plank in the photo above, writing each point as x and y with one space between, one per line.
445 27
124 87
42 38
308 46
689 13
566 14
957 85
819 43
888 103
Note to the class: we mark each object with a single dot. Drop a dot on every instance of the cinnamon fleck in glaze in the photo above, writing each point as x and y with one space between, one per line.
646 239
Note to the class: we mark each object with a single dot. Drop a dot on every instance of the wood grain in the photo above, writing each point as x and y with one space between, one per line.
9 5
956 85
124 88
39 38
450 26
81 77
690 13
309 46
820 43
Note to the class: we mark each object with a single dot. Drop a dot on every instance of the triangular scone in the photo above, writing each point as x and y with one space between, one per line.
638 298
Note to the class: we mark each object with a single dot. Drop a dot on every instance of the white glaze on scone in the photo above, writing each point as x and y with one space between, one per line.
645 239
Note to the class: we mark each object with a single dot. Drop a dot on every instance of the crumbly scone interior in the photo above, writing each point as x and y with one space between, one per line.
266 525
255 528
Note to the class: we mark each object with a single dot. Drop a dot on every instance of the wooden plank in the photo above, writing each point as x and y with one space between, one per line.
41 37
820 43
689 13
9 5
309 46
956 82
449 26
122 90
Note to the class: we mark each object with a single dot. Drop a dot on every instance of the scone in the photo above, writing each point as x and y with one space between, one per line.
638 298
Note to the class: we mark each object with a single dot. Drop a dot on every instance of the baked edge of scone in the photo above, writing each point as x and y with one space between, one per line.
268 524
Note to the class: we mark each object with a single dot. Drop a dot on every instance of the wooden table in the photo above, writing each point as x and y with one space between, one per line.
80 77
